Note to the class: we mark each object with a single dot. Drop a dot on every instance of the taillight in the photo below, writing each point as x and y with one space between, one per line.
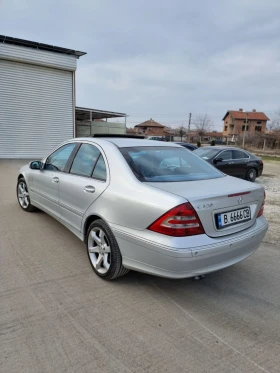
262 207
179 221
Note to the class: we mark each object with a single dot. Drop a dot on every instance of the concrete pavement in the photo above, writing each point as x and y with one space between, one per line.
56 315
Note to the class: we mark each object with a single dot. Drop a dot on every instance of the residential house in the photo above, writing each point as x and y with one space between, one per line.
150 128
235 123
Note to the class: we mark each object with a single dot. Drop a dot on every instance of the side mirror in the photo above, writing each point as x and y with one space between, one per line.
36 165
217 160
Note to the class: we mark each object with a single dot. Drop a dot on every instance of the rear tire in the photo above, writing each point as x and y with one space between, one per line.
23 196
103 251
251 174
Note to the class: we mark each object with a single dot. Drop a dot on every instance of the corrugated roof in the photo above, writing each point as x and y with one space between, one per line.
252 115
150 123
36 45
83 113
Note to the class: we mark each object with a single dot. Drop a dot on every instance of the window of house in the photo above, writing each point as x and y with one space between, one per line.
258 128
226 128
259 122
245 121
243 128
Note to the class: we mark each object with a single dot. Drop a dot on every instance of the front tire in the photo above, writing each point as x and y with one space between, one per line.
251 174
103 251
23 196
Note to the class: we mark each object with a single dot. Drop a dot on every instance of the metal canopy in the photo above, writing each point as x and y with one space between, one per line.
41 46
86 114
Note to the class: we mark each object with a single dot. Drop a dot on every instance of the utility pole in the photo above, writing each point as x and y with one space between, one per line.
245 129
189 126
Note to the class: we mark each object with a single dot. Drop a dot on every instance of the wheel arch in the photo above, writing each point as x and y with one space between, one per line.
254 167
89 220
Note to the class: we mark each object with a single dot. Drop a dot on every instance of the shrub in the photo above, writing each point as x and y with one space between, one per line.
213 143
198 144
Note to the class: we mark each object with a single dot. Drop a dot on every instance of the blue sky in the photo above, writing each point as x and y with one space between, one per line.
162 58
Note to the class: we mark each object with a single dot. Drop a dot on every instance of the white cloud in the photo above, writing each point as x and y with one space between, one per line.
161 56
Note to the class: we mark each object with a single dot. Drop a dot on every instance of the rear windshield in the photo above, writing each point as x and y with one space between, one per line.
206 153
167 164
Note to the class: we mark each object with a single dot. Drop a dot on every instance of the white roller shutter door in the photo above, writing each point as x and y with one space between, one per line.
36 109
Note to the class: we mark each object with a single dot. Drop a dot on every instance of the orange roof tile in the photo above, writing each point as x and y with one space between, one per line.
149 123
252 115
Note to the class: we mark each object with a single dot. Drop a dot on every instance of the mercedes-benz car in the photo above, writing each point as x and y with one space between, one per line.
145 205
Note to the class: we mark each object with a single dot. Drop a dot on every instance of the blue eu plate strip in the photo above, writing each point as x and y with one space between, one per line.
220 220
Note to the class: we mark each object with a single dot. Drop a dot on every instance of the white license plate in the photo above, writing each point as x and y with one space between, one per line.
233 217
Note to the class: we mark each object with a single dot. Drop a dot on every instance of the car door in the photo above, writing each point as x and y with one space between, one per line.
241 160
83 184
224 162
45 184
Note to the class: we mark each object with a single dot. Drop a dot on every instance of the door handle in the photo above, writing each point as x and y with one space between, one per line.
55 180
231 162
89 189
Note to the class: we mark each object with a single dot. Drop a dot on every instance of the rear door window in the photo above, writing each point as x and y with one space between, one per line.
85 160
99 171
239 154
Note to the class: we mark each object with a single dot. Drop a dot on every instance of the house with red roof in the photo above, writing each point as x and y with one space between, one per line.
235 122
150 128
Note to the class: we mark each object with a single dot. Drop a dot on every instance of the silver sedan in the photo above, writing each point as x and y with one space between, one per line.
146 205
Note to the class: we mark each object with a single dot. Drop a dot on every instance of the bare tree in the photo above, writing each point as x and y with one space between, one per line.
274 125
270 125
203 124
180 132
276 128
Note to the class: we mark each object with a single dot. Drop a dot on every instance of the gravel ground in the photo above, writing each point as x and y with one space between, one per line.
56 316
271 182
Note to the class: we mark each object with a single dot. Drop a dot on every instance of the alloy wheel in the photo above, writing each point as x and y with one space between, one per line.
99 250
251 175
23 195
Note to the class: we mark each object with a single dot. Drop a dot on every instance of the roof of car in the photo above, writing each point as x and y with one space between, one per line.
186 143
122 142
219 147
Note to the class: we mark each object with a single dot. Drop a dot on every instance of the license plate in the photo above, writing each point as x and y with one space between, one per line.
233 217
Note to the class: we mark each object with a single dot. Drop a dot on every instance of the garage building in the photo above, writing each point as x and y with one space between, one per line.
37 97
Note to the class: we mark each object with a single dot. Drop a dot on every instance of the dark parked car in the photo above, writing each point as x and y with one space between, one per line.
187 145
156 138
232 161
218 142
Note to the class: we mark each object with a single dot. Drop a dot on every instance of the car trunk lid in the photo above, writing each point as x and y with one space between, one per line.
213 198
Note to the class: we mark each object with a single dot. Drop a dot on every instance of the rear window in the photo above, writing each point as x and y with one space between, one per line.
206 153
167 164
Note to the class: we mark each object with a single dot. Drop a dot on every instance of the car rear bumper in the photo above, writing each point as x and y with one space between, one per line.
260 171
146 256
